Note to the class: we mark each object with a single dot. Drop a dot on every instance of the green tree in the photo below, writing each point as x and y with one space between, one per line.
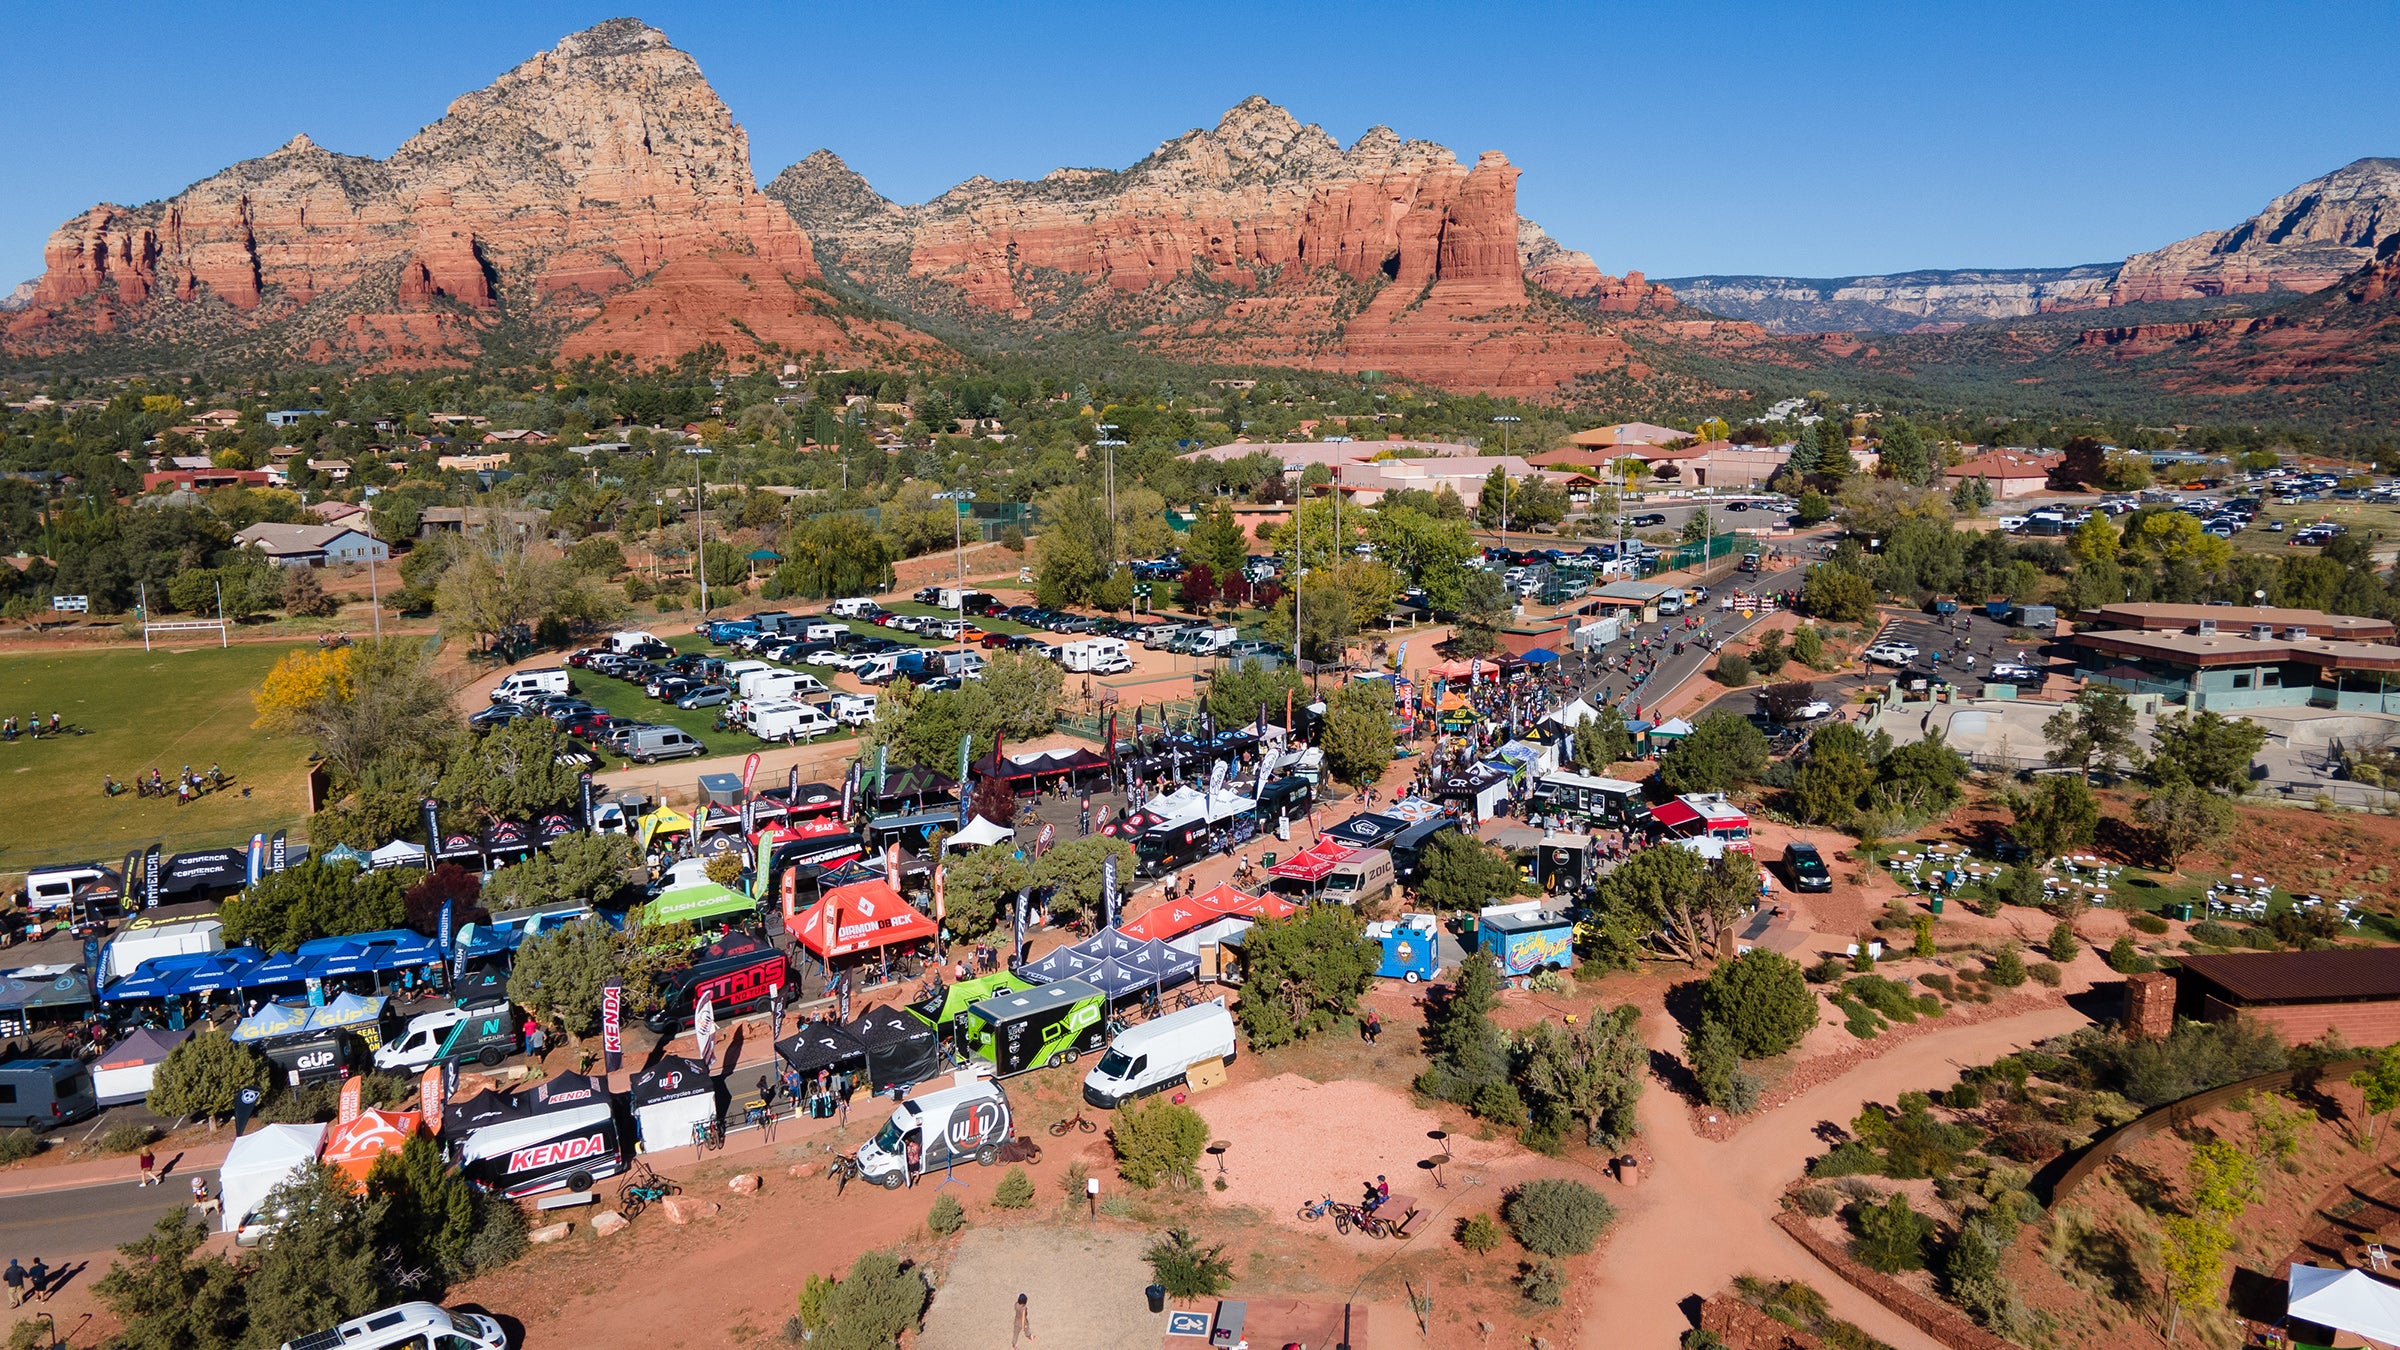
591 867
2183 818
1014 1191
1075 869
1303 974
2192 1250
873 1306
1723 752
1905 456
977 887
2379 1084
1827 786
1483 606
1808 646
1890 1237
512 772
1733 670
427 1210
2095 731
1602 741
1763 1002
2058 815
1555 1216
2206 751
1470 1055
202 1077
1463 872
1815 507
1837 595
390 704
1239 691
558 976
2008 966
1358 740
167 1300
1590 1075
310 900
1216 538
496 588
1159 1142
1186 1269
1686 906
323 1267
2063 945
1717 1066
1025 691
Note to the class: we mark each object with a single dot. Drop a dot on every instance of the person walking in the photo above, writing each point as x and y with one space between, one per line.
37 1277
149 1166
15 1277
1021 1327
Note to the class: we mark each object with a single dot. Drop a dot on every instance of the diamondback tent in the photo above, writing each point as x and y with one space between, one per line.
900 1047
822 1045
258 1163
1177 919
124 1070
862 917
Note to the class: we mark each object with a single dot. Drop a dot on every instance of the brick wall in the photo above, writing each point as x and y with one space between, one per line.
2150 1005
1937 1320
2360 1023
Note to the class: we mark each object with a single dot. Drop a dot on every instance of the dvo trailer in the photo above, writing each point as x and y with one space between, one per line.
1032 1028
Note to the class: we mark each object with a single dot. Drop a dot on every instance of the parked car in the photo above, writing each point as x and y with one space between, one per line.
706 696
589 727
1807 868
1892 653
497 715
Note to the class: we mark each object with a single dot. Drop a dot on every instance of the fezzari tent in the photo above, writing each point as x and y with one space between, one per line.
2346 1300
125 1070
258 1163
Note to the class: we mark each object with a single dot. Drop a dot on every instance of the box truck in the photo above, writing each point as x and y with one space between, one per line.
969 1119
1158 1053
1034 1028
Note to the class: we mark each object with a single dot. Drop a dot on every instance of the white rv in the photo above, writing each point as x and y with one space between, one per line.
1098 656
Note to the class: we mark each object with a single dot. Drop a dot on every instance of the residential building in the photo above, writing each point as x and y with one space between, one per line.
477 519
311 545
285 417
2011 473
336 469
472 463
341 513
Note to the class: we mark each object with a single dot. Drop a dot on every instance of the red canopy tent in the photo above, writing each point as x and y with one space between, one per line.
1314 863
1177 917
860 917
355 1145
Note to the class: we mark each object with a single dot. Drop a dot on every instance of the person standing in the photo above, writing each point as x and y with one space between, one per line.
149 1165
1021 1327
36 1279
15 1277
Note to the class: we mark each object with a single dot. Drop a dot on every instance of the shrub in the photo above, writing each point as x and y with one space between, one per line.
2148 923
1557 1217
2126 959
1015 1190
813 1296
1160 1142
1187 1269
947 1215
1828 970
2209 932
1888 997
1850 1158
2063 945
2008 968
1733 670
1890 1237
1074 1181
18 1145
1762 1001
201 1077
2046 973
871 1306
500 1234
126 1138
1542 1284
1480 1234
1963 1096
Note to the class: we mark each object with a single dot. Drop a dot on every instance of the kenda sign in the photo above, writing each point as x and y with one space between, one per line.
556 1153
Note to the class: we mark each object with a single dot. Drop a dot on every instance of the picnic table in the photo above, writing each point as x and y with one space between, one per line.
1398 1213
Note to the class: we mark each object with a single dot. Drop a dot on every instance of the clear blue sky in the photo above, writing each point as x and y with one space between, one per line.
1797 139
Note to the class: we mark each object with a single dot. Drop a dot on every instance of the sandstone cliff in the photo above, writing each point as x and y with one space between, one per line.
598 196
2305 240
1260 238
1922 301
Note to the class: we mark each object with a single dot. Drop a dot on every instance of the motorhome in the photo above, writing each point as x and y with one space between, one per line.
1097 656
855 607
1026 1029
526 684
1159 1053
56 887
787 721
405 1326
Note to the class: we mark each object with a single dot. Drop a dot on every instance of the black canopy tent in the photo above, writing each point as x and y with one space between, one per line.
907 783
488 1107
825 1046
213 869
900 1048
670 1079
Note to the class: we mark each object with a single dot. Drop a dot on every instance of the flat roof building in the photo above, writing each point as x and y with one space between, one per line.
2227 659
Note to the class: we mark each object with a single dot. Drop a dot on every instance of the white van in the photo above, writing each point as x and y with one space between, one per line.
789 722
1157 1054
631 639
527 684
856 607
56 887
409 1324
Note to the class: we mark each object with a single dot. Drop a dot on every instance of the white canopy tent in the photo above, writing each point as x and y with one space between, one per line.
398 853
2346 1300
981 833
258 1163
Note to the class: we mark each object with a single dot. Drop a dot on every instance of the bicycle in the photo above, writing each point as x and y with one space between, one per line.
1318 1209
707 1134
844 1169
641 1188
1060 1129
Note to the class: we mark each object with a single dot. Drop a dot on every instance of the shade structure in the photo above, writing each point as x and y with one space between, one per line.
369 953
938 1007
981 833
669 1098
1313 863
124 1071
1118 964
860 917
214 869
2345 1300
1540 656
1412 810
272 1020
214 972
345 853
284 968
697 904
353 1146
33 988
1175 918
258 1163
1674 728
1366 829
398 853
904 782
822 1045
161 976
901 1049
488 1107
348 1012
664 820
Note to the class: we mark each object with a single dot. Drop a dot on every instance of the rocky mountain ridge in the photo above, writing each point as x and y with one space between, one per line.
1921 301
597 197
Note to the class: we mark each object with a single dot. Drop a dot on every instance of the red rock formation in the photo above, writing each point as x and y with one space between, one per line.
2305 240
572 187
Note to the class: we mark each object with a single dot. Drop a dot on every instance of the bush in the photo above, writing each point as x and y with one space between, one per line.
1480 1234
1828 970
1818 1202
2046 973
1733 670
1556 1217
18 1145
813 1296
1890 1237
1015 1190
500 1234
2063 945
1762 1001
947 1215
873 1305
1849 1158
2148 923
201 1077
1161 1141
1074 1181
1924 944
2209 932
2126 959
1187 1269
1542 1284
126 1138
2008 968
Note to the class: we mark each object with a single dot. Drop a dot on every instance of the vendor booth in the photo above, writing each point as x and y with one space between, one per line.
143 940
669 1098
940 1008
560 1134
352 1146
1477 791
124 1071
215 871
1606 801
2351 1301
822 1047
1368 829
258 1163
60 990
705 903
906 787
864 917
398 853
901 1050
981 833
1120 966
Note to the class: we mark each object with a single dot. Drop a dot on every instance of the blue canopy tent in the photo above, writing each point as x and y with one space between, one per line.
151 978
215 972
272 1020
1540 656
372 953
284 968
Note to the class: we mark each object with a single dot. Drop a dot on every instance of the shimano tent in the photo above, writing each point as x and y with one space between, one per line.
258 1163
124 1070
214 972
901 1049
669 1099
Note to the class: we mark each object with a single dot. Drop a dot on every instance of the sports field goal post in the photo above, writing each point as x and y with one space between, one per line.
224 638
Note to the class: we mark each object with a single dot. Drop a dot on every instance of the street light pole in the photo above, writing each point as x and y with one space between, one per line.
1109 445
1506 424
700 525
958 540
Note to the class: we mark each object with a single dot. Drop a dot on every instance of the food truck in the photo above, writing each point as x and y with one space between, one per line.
1411 947
1526 937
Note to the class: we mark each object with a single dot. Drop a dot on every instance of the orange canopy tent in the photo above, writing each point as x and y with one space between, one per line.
353 1147
860 917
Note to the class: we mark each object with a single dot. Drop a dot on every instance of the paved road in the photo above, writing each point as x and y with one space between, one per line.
91 1220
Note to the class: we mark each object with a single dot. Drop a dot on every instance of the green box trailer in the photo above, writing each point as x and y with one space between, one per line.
1049 1024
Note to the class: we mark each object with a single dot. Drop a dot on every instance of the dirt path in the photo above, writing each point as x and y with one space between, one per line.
1705 1213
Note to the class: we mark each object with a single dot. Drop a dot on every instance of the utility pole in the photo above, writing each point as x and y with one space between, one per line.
700 525
1108 445
958 540
1506 424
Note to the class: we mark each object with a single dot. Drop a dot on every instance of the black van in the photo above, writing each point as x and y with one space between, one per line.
1408 848
1288 798
737 971
314 1057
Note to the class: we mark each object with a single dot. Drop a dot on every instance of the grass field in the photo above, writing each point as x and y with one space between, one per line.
2367 519
139 710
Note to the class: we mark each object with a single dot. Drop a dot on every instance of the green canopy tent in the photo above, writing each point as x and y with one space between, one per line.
942 1007
697 904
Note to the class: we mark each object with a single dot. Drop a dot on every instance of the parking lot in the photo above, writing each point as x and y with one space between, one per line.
1941 642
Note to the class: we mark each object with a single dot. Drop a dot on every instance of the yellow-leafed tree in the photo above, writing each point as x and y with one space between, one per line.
302 679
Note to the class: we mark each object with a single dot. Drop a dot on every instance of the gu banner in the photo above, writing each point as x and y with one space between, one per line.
1108 891
276 853
591 807
612 1025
